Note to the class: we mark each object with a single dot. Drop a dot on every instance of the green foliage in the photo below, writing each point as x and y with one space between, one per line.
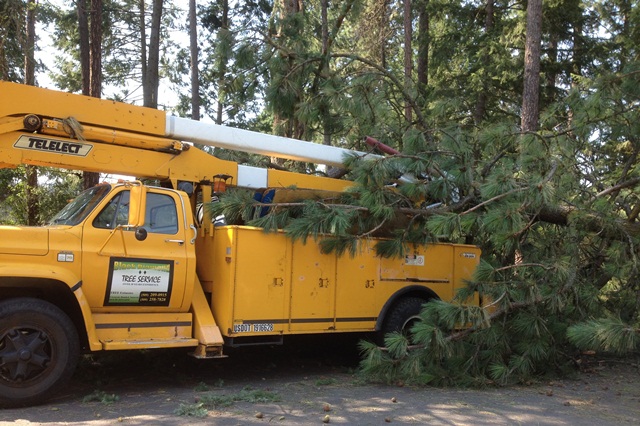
237 206
192 410
201 387
326 382
253 396
12 34
319 221
212 401
607 334
101 397
55 189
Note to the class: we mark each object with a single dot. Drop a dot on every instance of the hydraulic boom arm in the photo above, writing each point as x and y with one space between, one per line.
50 128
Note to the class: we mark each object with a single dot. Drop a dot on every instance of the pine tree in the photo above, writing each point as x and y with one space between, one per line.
556 212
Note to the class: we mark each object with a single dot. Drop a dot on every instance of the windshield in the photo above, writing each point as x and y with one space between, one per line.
75 212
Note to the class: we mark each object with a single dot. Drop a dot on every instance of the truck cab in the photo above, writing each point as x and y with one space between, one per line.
114 269
98 244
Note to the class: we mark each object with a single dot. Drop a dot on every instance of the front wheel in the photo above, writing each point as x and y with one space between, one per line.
39 350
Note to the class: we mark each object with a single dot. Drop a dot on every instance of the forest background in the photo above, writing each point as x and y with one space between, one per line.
518 122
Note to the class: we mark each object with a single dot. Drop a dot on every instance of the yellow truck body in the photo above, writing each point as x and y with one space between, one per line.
129 266
267 284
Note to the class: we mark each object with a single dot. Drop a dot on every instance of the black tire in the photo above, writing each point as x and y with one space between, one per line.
402 315
39 351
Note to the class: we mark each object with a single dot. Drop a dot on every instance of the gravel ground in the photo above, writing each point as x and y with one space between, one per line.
313 381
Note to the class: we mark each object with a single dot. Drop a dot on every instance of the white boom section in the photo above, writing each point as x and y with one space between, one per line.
257 143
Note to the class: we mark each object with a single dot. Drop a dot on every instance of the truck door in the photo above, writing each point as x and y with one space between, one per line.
120 270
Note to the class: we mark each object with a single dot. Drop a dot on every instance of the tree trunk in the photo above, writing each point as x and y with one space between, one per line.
150 90
83 34
91 179
408 58
326 132
29 78
531 89
95 47
193 49
384 24
292 6
143 49
29 57
423 49
222 65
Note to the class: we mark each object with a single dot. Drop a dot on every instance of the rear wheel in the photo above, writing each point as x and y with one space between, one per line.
39 350
402 316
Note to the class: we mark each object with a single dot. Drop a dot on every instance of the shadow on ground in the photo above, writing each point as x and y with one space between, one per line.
312 380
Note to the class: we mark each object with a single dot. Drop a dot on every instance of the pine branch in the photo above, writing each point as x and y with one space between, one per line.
346 8
302 204
496 198
372 231
618 187
631 160
559 215
399 86
609 334
489 166
508 309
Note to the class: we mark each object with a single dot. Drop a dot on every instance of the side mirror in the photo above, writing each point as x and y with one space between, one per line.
141 234
137 204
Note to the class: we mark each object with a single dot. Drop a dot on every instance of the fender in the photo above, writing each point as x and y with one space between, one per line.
37 272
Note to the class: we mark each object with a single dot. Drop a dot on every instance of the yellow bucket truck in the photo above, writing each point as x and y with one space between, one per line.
127 266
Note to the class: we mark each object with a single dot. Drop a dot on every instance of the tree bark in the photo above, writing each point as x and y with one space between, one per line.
91 179
95 47
150 90
324 70
222 65
292 6
143 48
29 57
408 58
531 89
83 34
384 24
423 48
193 49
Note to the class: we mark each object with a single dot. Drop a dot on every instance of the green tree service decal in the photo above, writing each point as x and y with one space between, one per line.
144 282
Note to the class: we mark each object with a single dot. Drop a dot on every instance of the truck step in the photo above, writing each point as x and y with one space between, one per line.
147 330
115 345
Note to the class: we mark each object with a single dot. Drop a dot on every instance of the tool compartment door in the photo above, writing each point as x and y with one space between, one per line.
261 281
313 288
357 289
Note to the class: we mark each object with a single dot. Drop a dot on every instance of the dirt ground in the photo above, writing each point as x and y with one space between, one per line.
313 381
